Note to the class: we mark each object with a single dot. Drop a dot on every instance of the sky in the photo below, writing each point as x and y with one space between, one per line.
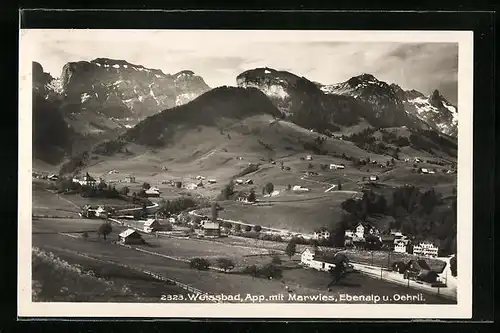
424 64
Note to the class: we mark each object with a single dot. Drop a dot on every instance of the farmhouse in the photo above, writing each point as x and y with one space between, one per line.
387 241
152 225
88 180
426 249
53 177
212 181
364 229
401 246
129 179
130 236
316 259
152 192
248 182
210 229
298 188
321 233
337 166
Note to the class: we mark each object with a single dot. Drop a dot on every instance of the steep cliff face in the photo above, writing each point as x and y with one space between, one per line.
387 108
434 110
123 91
302 101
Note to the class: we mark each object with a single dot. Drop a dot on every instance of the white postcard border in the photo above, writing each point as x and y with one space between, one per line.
30 38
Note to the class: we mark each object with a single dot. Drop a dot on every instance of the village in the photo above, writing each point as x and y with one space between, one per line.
398 257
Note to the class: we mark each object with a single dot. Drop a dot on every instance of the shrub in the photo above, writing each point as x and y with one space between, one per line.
252 270
199 263
225 264
276 260
270 271
124 190
248 228
269 188
104 230
291 248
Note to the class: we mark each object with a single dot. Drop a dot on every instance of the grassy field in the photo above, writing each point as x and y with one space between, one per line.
70 249
45 203
56 280
299 213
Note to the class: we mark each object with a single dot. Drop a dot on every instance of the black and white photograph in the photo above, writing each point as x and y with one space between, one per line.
185 173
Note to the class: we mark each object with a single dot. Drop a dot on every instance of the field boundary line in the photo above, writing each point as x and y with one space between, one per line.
149 273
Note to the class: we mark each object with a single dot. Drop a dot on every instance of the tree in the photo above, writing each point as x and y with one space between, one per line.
251 196
252 270
276 260
248 228
215 212
282 165
101 186
199 263
167 227
387 163
453 265
310 166
225 264
124 190
339 185
104 230
146 186
85 235
227 191
237 228
178 184
289 187
291 248
257 228
269 188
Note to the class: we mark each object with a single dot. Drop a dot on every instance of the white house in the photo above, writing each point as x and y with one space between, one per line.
426 249
151 225
239 181
363 229
191 186
212 181
200 178
321 233
349 233
129 179
309 158
298 188
315 259
152 192
53 177
336 166
248 182
400 246
373 178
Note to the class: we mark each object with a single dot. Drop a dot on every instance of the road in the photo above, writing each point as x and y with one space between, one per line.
393 277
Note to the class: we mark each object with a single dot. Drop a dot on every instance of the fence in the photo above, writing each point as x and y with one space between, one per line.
149 273
388 275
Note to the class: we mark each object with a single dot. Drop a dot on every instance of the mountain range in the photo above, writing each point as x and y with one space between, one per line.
113 101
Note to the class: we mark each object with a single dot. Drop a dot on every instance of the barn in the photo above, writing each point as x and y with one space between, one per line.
130 236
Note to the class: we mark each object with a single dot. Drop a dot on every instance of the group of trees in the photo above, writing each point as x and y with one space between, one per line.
227 192
100 191
421 214
176 205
